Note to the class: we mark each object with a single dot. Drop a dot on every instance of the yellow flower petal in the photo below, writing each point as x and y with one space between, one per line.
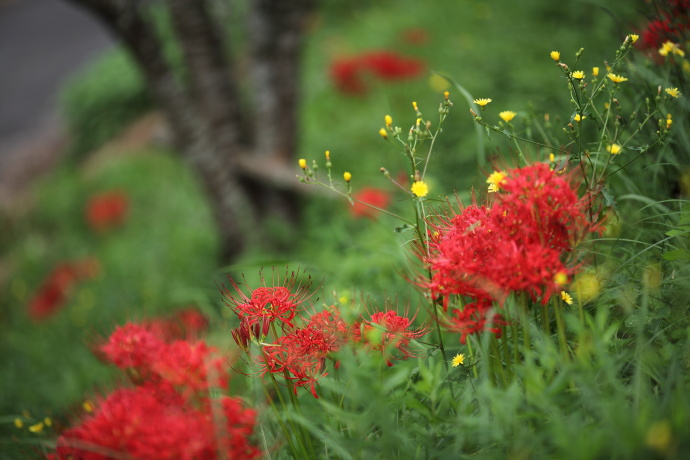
420 189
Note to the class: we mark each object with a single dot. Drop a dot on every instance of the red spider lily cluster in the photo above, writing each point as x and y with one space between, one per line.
523 242
300 351
348 74
672 22
56 287
168 414
369 195
106 210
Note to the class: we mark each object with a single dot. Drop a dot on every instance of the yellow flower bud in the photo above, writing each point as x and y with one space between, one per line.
328 155
303 163
595 71
383 133
347 176
389 121
556 56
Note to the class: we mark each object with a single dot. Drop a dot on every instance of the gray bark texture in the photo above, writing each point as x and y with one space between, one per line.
240 145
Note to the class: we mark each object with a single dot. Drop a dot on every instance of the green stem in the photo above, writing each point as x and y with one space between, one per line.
560 324
472 358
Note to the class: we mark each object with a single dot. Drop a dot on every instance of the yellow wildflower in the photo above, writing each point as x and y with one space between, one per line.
560 278
36 428
328 155
507 115
669 121
577 117
383 133
446 95
420 188
556 56
482 102
414 106
673 92
614 149
495 180
303 163
347 176
595 71
88 406
616 78
670 47
552 157
458 360
579 74
566 298
18 422
633 37
389 121
659 436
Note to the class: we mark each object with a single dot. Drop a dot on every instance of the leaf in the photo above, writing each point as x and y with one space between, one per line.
609 200
677 254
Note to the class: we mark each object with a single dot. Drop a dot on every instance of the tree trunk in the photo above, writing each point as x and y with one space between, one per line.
220 138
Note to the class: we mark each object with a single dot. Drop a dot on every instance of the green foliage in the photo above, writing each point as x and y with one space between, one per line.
100 101
145 270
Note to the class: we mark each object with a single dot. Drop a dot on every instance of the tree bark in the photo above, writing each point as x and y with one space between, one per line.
210 127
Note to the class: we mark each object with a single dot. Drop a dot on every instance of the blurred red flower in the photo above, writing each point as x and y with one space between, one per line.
671 22
107 210
370 195
348 74
152 422
55 288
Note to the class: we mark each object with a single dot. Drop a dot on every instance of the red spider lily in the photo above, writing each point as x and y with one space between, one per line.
390 66
143 351
107 210
132 345
348 73
473 319
55 289
396 334
518 244
370 195
300 355
154 423
280 303
188 366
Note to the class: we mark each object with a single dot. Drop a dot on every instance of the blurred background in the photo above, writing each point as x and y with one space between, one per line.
149 149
